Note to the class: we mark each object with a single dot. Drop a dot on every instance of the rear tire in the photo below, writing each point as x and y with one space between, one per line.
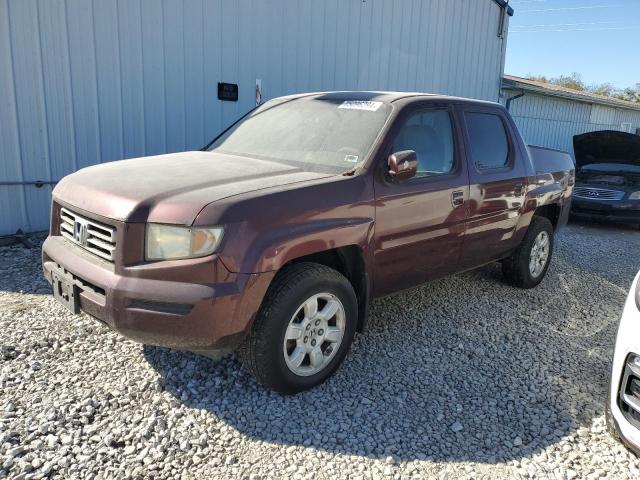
528 265
306 304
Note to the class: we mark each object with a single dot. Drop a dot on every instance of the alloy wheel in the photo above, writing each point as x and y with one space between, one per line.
314 334
539 254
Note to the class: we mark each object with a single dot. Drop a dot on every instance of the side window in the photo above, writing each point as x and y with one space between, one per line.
488 139
430 135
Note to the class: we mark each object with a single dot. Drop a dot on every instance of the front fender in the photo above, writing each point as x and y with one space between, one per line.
266 229
271 250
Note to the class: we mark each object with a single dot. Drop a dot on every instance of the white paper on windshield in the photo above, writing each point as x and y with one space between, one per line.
351 158
361 105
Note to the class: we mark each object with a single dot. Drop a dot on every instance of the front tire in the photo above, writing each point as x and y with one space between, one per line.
303 330
527 266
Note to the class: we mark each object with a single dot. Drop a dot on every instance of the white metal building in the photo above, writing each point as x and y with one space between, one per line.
549 115
85 81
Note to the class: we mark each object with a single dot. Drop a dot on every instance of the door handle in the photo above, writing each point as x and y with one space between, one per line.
457 198
518 189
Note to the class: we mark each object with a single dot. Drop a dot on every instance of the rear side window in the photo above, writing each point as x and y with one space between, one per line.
430 135
488 139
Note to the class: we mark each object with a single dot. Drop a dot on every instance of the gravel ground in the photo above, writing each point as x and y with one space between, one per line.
464 377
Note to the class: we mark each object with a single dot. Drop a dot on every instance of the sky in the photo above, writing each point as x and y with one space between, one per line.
599 39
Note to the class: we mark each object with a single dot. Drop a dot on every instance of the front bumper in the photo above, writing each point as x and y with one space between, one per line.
627 346
194 304
619 211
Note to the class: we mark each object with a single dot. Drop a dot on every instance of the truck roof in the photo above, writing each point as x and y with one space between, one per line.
386 97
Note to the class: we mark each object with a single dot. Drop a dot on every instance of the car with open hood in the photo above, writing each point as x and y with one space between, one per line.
607 176
274 238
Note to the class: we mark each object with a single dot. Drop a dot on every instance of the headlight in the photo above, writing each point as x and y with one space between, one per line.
635 195
166 242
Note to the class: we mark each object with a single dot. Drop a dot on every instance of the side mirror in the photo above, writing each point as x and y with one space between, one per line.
403 165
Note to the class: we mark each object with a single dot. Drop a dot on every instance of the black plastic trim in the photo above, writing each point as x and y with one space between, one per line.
163 307
630 372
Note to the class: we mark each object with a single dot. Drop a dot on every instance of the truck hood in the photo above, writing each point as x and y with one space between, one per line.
171 188
606 146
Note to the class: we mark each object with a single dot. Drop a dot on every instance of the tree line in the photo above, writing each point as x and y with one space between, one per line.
575 82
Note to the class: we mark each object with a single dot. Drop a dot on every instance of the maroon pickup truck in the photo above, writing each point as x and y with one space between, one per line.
275 236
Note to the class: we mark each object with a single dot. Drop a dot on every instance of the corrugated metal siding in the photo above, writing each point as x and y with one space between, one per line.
602 115
627 116
85 81
553 122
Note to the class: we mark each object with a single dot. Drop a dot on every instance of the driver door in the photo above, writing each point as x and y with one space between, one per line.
420 222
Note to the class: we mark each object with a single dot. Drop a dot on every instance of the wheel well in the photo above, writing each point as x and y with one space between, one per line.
349 261
551 212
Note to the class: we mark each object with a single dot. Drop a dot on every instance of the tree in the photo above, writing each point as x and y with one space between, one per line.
631 94
573 81
605 89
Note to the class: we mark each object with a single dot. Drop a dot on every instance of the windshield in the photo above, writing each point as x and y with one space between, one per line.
313 133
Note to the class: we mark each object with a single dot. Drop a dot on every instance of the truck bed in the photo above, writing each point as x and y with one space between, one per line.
547 160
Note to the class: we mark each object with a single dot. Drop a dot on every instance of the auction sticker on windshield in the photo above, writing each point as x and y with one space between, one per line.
361 105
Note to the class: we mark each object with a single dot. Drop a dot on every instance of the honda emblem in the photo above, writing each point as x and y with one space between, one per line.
80 232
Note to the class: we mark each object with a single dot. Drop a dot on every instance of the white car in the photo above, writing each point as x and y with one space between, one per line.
623 406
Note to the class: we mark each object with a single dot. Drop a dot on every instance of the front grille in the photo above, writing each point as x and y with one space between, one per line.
591 193
629 394
95 237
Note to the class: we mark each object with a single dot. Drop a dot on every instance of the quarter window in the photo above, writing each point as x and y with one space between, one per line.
429 134
488 139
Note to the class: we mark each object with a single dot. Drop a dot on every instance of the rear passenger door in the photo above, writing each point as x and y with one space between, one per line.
497 180
420 222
